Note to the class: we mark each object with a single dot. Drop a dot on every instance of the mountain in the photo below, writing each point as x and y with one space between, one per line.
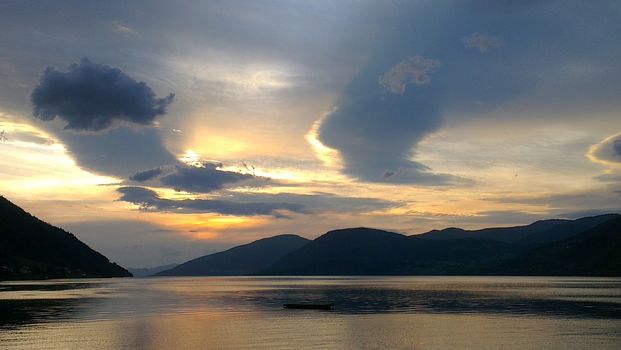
539 232
584 247
241 260
33 249
594 252
365 251
148 271
588 247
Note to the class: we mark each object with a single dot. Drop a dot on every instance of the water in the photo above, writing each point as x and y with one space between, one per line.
371 313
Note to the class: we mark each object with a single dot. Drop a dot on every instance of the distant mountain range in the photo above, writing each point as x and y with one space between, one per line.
245 259
148 271
33 249
589 246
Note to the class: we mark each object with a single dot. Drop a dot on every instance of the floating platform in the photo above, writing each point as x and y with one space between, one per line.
309 306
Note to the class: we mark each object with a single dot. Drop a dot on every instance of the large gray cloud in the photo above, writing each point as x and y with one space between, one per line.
561 61
379 120
249 204
148 200
91 96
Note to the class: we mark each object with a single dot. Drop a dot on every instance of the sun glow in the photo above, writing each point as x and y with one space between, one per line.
205 226
190 157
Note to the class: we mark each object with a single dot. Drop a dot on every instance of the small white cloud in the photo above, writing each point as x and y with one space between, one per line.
483 42
415 70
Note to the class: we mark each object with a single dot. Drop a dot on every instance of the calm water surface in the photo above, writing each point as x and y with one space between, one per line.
371 313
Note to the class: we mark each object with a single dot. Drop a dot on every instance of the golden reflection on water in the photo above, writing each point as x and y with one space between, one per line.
372 313
320 331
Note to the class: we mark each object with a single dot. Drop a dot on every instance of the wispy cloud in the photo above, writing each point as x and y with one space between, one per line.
483 42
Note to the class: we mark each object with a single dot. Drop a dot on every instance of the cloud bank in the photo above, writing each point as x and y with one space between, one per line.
250 204
148 200
91 97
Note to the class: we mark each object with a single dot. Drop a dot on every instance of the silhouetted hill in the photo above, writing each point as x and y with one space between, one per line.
241 260
587 246
539 232
365 251
595 252
33 249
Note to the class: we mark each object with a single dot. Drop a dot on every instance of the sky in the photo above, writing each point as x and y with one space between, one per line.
159 131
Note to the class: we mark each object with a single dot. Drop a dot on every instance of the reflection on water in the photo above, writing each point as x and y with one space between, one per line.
371 312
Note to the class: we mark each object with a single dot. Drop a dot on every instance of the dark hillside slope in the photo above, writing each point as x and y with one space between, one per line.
596 252
33 249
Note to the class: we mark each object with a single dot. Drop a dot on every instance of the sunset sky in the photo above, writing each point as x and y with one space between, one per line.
158 131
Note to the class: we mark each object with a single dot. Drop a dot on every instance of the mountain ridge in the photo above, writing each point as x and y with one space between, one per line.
248 258
368 251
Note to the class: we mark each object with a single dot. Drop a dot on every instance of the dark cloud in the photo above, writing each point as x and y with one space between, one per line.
148 200
235 203
144 175
206 178
377 123
91 96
